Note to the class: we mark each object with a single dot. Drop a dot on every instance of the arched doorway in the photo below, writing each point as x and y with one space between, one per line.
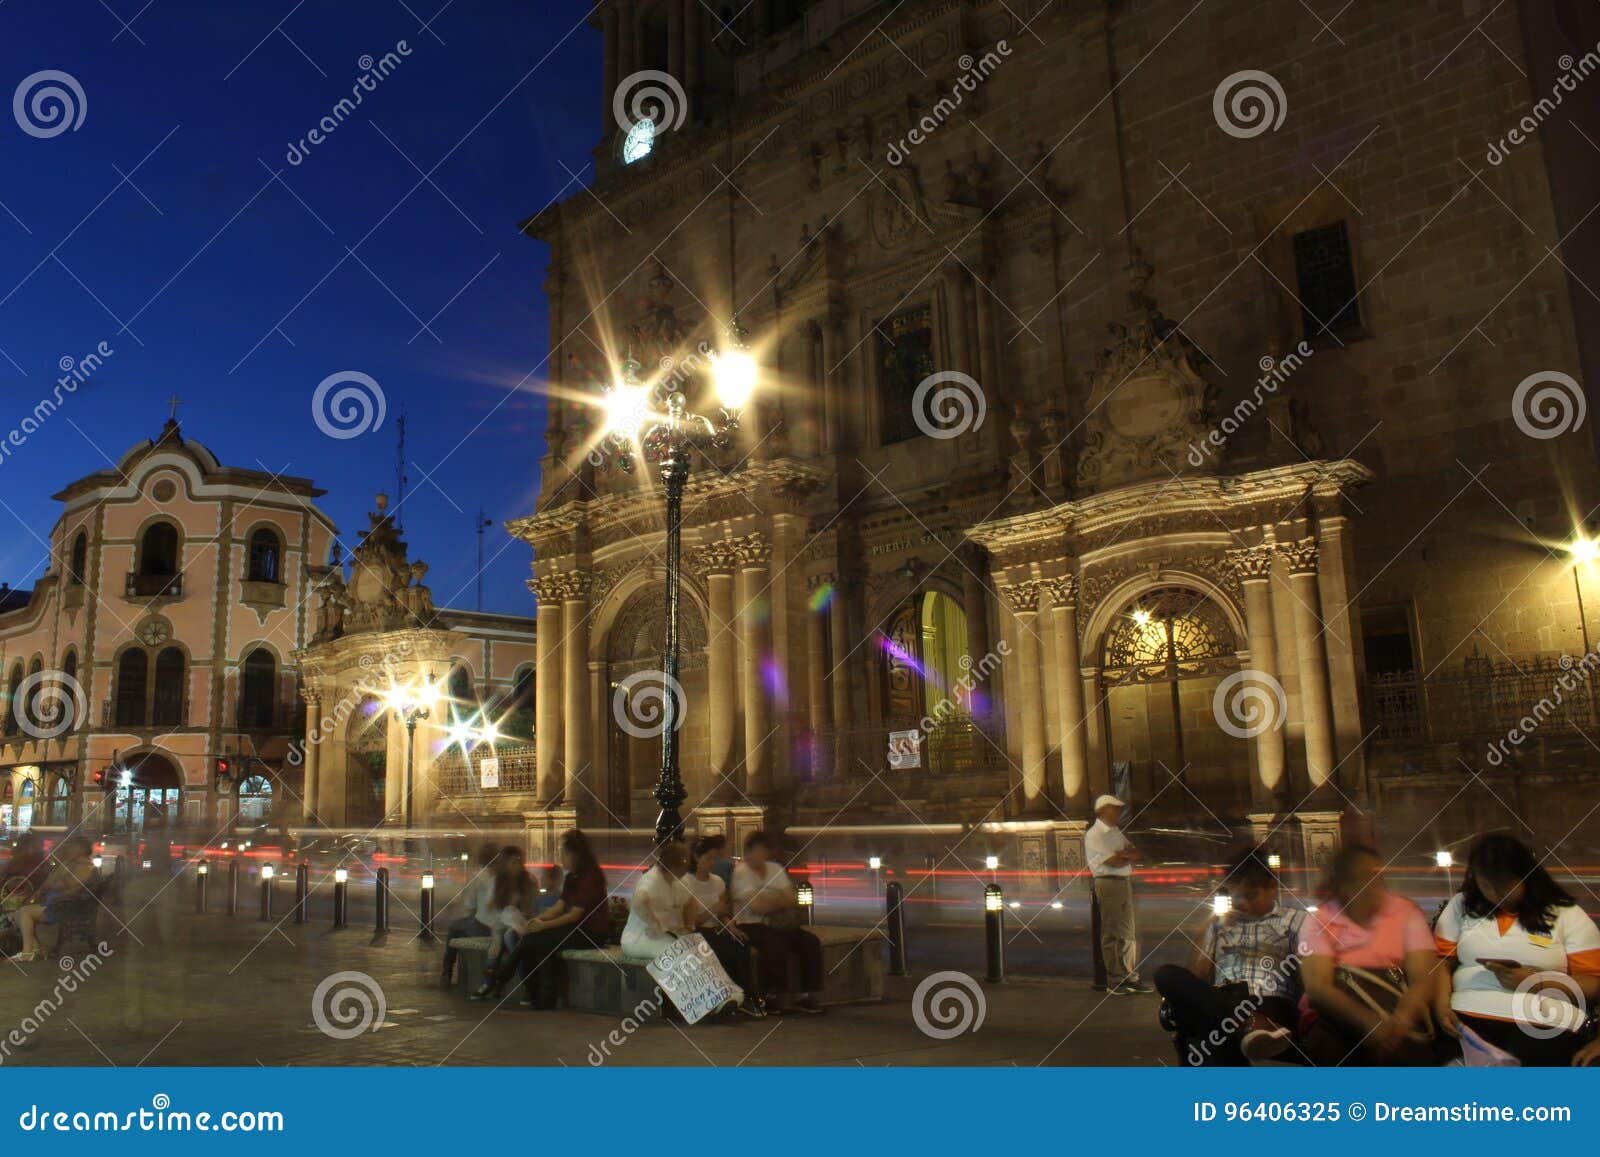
1162 659
148 793
255 800
634 647
367 768
926 684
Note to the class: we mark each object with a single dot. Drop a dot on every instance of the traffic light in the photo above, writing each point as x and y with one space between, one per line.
224 770
100 777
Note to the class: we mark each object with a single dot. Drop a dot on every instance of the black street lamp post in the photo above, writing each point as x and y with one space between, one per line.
657 419
412 713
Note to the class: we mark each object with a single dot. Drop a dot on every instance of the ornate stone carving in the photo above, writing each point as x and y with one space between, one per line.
817 581
1147 401
1063 591
751 550
572 586
1252 564
384 592
719 557
1301 556
1022 598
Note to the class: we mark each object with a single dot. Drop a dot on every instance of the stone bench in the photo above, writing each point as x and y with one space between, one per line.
610 981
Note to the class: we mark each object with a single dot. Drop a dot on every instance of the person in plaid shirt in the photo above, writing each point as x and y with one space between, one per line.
1236 1000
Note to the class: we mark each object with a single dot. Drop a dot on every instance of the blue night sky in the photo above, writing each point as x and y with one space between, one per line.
240 291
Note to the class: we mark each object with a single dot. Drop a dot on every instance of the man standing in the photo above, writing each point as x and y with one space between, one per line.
1111 856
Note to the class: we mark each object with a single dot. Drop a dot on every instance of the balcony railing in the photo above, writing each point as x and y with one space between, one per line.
459 774
1483 700
154 586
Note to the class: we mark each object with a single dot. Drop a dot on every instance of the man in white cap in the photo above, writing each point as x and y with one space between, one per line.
1111 856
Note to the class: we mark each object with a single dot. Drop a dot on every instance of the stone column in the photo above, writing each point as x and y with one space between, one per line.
955 281
694 22
628 41
311 755
1254 568
814 407
675 39
753 552
839 631
722 663
608 81
988 375
1301 558
1074 733
1029 685
834 351
547 691
817 656
575 687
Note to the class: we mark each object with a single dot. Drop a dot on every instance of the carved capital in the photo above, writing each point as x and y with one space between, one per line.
1063 590
1022 598
715 558
1301 556
752 551
1253 564
546 589
571 586
817 581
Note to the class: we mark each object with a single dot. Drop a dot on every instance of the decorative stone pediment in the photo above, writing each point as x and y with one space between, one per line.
1147 400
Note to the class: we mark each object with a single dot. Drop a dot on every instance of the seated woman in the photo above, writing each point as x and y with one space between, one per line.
579 919
767 911
1368 967
511 902
710 914
1236 1001
1520 953
658 912
73 875
478 898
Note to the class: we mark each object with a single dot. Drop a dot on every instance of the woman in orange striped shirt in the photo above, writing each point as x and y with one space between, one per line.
1523 958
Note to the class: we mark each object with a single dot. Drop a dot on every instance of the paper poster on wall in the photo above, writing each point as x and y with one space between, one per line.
905 749
693 978
489 772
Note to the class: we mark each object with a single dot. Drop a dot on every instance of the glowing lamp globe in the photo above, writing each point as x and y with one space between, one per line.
736 373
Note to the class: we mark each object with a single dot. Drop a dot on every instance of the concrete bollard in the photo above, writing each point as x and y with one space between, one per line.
895 916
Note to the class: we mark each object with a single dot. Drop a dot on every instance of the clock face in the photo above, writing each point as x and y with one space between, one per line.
640 140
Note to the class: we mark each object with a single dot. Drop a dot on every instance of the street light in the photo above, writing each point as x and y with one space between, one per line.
638 416
412 706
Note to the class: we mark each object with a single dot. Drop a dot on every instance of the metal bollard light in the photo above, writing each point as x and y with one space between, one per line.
302 890
380 902
341 897
233 887
425 909
201 871
266 891
994 921
895 917
806 896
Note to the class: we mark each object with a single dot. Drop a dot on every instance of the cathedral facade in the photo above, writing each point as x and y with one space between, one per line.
1106 439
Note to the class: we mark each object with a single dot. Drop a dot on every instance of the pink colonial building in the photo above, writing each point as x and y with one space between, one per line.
151 675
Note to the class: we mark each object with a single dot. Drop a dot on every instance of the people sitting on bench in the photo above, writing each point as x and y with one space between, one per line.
1519 952
514 899
481 914
712 917
580 919
1236 1000
1368 971
658 911
73 877
767 910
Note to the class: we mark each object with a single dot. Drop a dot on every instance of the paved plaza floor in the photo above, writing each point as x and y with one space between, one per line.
178 988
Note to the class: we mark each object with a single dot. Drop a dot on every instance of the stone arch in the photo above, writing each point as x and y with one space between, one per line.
652 579
1096 620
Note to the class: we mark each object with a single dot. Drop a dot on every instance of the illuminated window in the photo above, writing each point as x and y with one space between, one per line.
1169 633
640 140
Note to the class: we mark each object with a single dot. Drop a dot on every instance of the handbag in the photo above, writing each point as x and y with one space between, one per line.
1381 990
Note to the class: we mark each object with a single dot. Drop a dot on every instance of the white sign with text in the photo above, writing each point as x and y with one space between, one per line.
693 978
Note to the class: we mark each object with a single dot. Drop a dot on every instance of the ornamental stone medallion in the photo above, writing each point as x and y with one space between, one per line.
1147 401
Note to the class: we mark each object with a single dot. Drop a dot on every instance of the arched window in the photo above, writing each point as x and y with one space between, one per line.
522 689
69 690
60 803
158 550
79 564
255 799
167 706
133 686
14 708
266 551
463 700
258 691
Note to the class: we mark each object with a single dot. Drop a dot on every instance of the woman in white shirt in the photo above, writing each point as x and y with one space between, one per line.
767 911
658 912
710 917
1523 957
